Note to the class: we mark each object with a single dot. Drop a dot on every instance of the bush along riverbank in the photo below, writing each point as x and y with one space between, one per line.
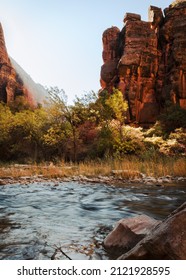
94 128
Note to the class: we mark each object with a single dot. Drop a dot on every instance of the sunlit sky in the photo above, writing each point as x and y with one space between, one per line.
59 42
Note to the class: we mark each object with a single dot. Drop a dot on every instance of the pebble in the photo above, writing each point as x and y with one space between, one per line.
181 179
2 182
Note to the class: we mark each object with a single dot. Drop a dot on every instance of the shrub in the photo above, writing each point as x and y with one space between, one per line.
155 130
172 147
155 141
179 136
128 141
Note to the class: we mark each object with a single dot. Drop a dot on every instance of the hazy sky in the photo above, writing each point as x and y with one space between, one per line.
59 42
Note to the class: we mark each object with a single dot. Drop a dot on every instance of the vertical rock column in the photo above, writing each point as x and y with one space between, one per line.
137 69
172 70
110 55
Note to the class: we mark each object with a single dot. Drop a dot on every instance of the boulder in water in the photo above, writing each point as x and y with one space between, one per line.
167 241
127 233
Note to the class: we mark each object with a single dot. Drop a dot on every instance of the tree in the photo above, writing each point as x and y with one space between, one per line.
21 133
89 128
26 133
118 105
111 106
69 117
112 113
172 118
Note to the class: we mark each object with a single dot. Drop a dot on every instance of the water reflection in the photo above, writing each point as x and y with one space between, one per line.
37 218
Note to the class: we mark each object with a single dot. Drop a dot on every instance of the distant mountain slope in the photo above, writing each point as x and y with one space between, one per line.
37 91
14 81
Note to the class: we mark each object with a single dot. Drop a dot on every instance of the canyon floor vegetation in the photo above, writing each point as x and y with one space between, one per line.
90 138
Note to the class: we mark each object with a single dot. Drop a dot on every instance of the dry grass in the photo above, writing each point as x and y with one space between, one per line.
179 167
128 168
48 171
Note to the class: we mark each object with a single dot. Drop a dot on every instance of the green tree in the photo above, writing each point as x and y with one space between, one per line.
118 105
111 106
172 118
111 110
21 133
68 118
26 133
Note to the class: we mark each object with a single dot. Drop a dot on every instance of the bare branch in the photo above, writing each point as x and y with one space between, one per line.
59 249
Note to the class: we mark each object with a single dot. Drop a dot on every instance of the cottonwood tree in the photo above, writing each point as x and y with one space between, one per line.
66 120
112 109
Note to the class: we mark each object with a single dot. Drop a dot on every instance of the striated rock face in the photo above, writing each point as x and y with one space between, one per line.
147 61
110 57
14 81
172 70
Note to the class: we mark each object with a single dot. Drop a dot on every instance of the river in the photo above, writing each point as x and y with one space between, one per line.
38 218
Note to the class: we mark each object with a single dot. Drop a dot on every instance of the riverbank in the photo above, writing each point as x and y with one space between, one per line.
106 173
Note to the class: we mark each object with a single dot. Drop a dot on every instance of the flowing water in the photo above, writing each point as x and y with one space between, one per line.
37 218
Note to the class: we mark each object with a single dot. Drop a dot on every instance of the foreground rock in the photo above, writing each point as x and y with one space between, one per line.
127 233
166 241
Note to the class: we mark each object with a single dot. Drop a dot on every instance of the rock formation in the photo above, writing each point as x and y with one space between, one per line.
127 233
37 91
167 241
144 238
147 61
14 81
10 83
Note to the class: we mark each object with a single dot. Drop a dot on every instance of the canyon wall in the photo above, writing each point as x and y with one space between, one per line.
11 84
147 61
14 81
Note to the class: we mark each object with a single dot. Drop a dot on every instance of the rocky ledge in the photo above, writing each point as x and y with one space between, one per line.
142 237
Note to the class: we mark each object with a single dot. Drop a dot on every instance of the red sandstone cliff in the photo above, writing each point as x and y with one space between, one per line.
14 81
10 83
147 61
